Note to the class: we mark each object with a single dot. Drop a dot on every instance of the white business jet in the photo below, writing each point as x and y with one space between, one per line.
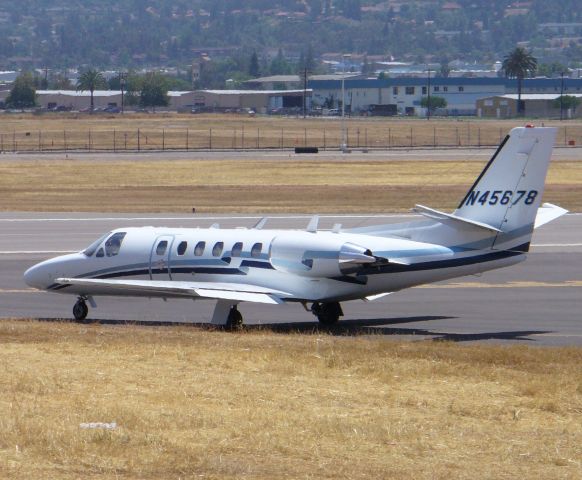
491 228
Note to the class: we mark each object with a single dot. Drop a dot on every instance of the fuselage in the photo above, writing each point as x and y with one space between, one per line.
307 266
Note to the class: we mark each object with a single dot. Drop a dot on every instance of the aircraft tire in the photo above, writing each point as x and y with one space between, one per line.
80 310
328 314
234 320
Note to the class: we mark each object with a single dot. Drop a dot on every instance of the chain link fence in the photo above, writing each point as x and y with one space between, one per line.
358 137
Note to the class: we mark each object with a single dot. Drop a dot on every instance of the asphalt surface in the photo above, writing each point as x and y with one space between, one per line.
537 302
481 154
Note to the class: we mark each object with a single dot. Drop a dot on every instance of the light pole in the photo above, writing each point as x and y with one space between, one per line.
562 97
344 144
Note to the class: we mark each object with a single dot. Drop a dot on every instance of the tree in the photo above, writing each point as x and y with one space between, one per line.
91 80
154 91
279 65
254 69
23 93
551 69
519 63
435 102
567 102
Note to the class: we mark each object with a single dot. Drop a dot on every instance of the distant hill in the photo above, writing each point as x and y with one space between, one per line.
109 33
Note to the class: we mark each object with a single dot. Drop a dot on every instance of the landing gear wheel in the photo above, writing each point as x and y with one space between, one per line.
327 313
234 320
80 310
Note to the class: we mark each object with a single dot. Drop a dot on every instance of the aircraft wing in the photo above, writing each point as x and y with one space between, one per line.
222 291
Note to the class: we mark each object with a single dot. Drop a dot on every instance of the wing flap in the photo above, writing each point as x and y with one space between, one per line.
221 291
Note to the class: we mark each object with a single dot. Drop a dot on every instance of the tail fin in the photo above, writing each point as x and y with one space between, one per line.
508 192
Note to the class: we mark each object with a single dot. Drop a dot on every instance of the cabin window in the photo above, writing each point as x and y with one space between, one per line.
217 249
161 248
256 250
182 248
236 249
199 249
91 249
113 244
100 253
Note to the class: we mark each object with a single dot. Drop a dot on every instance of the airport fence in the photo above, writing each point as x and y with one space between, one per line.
374 137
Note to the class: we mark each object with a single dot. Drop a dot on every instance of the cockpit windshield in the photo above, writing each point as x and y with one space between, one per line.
90 250
112 244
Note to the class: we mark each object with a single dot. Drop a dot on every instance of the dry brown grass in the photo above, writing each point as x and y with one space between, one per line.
191 403
178 131
241 185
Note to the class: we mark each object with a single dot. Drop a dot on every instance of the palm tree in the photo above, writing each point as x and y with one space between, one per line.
519 63
91 80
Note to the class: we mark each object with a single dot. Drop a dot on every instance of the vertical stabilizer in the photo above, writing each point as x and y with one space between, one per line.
508 192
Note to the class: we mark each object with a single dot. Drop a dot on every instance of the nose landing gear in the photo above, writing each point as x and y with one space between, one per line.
80 309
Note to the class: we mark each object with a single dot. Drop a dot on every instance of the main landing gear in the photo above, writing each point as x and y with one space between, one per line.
327 313
80 309
226 315
234 321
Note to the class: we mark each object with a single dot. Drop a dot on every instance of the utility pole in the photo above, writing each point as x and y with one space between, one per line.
122 76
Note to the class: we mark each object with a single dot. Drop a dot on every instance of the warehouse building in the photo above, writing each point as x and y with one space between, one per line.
536 105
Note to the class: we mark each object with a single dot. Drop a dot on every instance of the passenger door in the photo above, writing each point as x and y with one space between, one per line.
160 258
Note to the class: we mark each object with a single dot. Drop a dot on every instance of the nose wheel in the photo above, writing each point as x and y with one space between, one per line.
80 310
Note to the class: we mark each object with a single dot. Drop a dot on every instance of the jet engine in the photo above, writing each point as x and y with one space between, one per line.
314 256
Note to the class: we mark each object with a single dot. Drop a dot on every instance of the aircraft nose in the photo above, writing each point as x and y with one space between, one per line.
38 276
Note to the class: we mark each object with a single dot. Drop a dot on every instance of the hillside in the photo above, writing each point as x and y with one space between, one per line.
107 33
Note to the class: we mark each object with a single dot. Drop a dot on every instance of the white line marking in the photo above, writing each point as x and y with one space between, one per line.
253 217
24 252
194 217
556 244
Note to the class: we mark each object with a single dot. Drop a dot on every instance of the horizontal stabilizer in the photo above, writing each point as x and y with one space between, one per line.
450 218
222 291
548 212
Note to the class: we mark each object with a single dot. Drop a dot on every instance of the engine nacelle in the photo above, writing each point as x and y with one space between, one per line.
314 256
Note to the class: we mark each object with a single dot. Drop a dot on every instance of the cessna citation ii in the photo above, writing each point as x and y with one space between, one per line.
491 228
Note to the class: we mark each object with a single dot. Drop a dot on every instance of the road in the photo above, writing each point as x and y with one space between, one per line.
535 303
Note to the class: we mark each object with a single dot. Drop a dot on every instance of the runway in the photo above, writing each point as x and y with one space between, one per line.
534 303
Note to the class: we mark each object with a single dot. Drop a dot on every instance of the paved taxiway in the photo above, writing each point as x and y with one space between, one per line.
537 302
